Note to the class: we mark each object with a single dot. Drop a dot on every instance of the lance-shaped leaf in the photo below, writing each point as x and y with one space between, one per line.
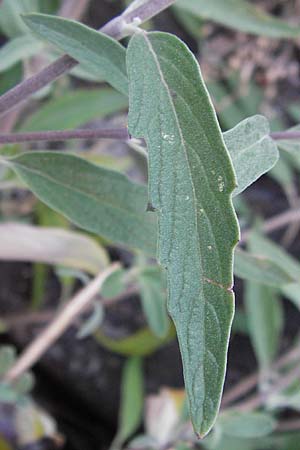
253 152
75 108
240 15
99 200
18 49
260 269
97 52
22 242
190 182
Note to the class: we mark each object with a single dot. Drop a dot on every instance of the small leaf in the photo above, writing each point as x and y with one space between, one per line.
252 151
7 358
92 323
115 284
153 291
260 269
132 397
24 384
266 248
22 242
11 23
265 316
74 109
292 292
240 15
97 52
99 200
18 49
141 343
247 425
190 184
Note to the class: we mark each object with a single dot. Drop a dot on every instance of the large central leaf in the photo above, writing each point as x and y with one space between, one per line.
191 180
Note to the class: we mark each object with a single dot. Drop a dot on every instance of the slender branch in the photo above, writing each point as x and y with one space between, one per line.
257 400
114 133
285 135
73 10
55 329
33 84
251 381
116 28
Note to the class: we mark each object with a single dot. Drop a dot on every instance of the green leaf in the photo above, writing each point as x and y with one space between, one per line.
132 399
260 269
93 323
247 425
97 52
10 78
190 182
240 15
18 49
252 151
96 199
264 314
75 108
7 358
153 291
141 343
51 246
11 23
266 248
115 284
292 292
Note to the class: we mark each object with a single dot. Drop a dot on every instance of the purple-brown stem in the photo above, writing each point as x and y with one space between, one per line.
114 133
73 10
285 135
116 28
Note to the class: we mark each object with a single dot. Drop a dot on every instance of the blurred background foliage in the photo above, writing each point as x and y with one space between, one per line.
250 62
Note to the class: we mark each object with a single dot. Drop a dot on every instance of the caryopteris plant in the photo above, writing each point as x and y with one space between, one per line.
185 216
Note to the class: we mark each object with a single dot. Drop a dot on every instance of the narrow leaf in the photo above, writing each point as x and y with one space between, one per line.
11 23
18 49
252 151
99 200
265 321
247 425
240 15
132 397
151 281
292 292
260 269
97 52
190 182
266 248
141 343
264 314
75 108
51 246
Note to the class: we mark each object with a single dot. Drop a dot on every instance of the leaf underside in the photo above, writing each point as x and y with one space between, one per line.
191 180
